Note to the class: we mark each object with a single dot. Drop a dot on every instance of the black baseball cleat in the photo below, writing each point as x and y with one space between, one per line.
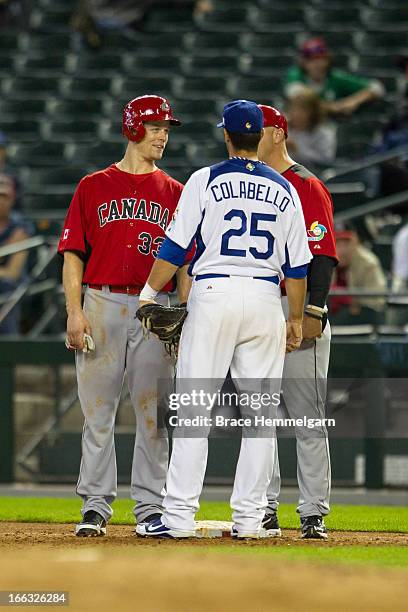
313 527
271 525
92 525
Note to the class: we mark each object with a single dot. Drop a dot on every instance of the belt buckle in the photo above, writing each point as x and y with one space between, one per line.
127 289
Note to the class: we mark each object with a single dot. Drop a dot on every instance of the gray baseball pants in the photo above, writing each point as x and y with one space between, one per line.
120 348
304 392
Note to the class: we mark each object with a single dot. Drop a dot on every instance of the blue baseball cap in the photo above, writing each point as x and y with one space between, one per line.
242 116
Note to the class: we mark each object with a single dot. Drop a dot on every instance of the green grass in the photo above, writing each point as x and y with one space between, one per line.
342 517
384 556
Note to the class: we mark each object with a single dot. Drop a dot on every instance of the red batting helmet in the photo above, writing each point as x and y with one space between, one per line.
143 109
274 118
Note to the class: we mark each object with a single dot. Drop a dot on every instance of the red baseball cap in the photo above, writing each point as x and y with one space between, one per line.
345 235
314 47
274 118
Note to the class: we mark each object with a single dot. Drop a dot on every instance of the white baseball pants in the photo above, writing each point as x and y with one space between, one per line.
237 323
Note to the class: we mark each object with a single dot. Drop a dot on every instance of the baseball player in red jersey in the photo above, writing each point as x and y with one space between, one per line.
305 371
114 227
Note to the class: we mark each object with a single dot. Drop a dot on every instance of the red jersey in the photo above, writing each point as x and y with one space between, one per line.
116 223
317 206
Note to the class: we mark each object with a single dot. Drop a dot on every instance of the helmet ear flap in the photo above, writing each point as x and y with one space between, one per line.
138 132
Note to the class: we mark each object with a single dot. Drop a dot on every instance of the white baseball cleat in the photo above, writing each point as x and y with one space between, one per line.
248 535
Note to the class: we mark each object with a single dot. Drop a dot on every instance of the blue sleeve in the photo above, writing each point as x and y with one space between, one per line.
172 252
298 272
295 272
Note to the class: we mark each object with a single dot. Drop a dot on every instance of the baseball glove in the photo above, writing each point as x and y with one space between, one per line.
165 322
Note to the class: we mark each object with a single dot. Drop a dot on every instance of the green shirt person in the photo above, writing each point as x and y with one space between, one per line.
341 91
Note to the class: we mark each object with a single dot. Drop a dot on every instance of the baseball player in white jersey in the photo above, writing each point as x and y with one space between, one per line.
250 233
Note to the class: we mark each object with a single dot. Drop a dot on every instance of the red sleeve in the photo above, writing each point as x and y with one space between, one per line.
73 232
318 215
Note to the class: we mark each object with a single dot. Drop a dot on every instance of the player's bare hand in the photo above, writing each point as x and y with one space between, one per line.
312 328
77 326
293 335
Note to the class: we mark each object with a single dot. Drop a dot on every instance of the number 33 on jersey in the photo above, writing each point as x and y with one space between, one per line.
249 219
116 223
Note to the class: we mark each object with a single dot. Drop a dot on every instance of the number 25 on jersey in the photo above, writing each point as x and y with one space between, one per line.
254 230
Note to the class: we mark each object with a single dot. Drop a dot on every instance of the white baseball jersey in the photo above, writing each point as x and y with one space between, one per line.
246 218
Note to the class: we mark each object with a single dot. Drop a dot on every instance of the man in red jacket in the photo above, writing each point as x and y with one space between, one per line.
305 371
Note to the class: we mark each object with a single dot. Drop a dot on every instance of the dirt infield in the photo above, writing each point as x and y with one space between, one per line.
122 572
23 535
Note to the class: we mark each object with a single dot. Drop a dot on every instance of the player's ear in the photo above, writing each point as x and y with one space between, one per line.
278 135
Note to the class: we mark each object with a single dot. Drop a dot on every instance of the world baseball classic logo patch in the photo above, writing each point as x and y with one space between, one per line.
316 232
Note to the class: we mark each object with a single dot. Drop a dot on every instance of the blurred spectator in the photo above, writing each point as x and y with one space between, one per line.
312 138
400 260
403 80
397 313
358 268
14 13
92 17
6 169
12 267
341 91
392 175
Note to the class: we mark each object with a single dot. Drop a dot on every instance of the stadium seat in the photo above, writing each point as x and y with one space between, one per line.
10 40
383 61
49 178
367 42
253 87
257 43
121 41
268 65
53 18
102 63
225 20
346 195
173 19
355 149
21 130
158 66
30 86
210 65
81 85
341 18
177 153
47 43
191 88
75 109
99 154
161 43
197 129
71 130
8 61
209 153
390 19
47 201
338 41
202 43
141 84
26 108
187 108
56 63
277 19
37 154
